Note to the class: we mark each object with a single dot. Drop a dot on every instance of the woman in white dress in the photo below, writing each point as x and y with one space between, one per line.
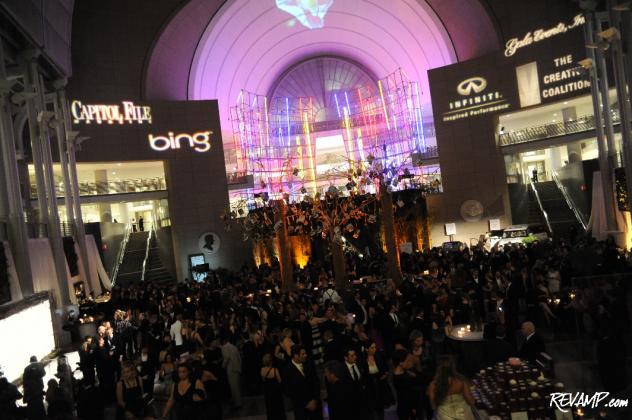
450 394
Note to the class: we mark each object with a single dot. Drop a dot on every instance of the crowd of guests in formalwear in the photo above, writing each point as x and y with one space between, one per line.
192 350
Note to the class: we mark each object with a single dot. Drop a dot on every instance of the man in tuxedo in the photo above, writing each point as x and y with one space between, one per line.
533 345
356 383
390 327
332 349
341 407
496 348
302 386
358 308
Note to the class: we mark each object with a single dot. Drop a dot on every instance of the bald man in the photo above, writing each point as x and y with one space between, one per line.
533 345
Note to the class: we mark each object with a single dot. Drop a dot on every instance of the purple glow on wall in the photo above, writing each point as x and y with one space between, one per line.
168 75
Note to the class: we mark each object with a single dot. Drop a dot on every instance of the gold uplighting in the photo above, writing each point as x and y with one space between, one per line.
301 248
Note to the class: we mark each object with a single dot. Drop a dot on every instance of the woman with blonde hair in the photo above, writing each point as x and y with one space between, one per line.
129 394
272 389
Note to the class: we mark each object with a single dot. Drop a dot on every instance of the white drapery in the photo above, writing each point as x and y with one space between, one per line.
95 265
14 281
43 269
597 223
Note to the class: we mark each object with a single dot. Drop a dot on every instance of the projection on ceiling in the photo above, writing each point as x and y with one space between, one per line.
311 13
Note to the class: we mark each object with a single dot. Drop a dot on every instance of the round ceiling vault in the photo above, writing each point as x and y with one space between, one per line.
211 51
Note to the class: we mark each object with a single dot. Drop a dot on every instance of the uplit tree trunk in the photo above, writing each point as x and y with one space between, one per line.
338 258
285 256
388 224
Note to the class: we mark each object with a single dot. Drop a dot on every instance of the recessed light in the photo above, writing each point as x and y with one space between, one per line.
118 164
555 114
113 173
565 102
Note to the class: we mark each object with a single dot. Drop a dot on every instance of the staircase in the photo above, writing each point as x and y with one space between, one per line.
155 271
561 216
131 268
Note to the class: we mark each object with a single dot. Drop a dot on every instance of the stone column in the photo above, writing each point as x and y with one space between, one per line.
101 179
11 211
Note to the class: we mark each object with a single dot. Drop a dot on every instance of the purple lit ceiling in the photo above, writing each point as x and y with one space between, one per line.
213 49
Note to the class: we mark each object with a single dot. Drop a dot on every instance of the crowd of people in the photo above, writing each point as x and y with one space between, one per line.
192 350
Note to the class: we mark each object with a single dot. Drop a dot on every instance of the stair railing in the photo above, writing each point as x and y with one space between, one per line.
546 216
121 253
151 232
569 201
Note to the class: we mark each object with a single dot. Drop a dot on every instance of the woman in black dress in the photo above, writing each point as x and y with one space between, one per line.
275 409
186 395
378 390
129 394
406 385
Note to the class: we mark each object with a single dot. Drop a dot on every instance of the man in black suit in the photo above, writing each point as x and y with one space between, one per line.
358 308
533 345
302 386
496 348
340 405
355 378
332 346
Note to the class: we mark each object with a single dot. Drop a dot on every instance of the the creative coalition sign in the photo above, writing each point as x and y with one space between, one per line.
129 113
516 77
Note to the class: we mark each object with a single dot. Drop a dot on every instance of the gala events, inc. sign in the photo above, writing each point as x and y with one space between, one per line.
514 44
129 113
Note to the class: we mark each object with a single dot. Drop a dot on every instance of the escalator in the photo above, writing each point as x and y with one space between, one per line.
557 209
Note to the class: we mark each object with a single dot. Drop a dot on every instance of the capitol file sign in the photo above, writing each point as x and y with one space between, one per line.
474 99
127 112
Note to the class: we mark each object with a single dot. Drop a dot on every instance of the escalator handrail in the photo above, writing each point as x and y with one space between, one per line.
544 213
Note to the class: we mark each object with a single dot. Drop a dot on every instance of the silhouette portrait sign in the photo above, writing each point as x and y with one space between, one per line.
209 243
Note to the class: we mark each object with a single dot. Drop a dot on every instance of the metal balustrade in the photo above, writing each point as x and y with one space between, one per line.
557 129
111 187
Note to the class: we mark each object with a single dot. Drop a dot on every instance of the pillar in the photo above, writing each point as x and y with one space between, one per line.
44 118
11 209
101 179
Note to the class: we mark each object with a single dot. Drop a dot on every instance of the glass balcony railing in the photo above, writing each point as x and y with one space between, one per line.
557 129
111 187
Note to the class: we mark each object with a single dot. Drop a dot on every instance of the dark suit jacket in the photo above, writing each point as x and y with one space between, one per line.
341 406
302 389
357 391
532 348
332 350
497 350
356 309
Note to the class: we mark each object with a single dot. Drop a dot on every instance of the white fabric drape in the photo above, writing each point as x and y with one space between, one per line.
597 223
96 265
14 281
43 268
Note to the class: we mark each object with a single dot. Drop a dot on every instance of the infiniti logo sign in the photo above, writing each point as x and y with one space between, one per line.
473 84
474 99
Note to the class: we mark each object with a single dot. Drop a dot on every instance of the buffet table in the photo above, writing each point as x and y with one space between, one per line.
514 388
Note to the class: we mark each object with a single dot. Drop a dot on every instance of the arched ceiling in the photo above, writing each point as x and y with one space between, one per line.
212 49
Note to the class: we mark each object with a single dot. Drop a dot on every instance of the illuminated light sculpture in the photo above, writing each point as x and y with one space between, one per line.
311 13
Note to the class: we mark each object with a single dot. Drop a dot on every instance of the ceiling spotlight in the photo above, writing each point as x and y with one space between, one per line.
586 63
600 45
610 34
